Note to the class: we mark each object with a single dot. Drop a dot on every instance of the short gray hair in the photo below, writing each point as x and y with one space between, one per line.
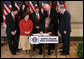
46 5
61 6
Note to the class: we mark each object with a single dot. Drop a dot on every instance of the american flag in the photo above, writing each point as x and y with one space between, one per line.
32 5
18 4
6 10
42 5
61 3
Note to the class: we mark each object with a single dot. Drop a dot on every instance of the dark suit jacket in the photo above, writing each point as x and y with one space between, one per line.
34 19
64 22
54 18
12 25
53 15
49 29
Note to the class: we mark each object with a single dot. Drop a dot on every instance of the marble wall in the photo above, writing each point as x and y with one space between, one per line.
76 10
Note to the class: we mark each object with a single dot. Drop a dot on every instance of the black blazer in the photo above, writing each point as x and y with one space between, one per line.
34 19
12 25
53 15
49 29
54 18
64 22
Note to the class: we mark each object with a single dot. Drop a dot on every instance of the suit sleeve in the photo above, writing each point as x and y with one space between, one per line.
56 20
42 28
52 30
45 14
67 22
8 23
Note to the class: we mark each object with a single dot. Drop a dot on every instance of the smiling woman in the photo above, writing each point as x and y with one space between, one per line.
26 27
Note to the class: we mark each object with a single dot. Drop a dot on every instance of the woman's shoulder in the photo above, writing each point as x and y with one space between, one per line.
21 20
29 20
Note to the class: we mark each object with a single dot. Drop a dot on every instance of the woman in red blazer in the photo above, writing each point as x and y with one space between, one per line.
26 27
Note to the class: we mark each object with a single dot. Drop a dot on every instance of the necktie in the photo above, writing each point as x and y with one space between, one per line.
38 16
46 29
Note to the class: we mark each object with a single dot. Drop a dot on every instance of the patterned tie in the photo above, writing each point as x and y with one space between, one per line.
46 29
38 16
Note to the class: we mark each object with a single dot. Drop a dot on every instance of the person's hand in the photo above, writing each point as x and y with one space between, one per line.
28 32
65 31
49 32
41 32
25 32
15 31
37 27
12 33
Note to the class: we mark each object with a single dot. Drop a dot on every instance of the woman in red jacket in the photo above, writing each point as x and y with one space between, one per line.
26 27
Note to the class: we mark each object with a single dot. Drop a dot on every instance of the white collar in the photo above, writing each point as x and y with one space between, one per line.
46 25
49 11
36 13
64 11
12 14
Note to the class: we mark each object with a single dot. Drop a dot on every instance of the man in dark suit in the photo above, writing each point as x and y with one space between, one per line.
64 28
12 29
52 13
37 19
47 28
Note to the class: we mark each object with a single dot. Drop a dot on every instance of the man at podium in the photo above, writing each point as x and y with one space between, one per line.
47 28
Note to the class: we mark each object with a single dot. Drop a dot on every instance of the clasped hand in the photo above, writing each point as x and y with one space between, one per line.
13 32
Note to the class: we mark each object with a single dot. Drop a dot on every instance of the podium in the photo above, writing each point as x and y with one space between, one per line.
43 39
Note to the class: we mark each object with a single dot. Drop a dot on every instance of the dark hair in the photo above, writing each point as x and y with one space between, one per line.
36 7
48 18
26 6
14 8
25 13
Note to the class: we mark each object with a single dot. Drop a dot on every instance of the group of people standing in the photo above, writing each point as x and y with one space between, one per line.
51 21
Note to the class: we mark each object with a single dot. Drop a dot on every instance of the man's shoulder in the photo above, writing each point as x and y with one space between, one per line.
67 12
8 15
21 20
33 13
51 25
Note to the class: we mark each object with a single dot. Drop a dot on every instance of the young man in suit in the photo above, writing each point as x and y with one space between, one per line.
64 28
47 28
37 19
12 29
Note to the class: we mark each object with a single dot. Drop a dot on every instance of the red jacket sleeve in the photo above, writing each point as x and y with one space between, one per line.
31 28
21 27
